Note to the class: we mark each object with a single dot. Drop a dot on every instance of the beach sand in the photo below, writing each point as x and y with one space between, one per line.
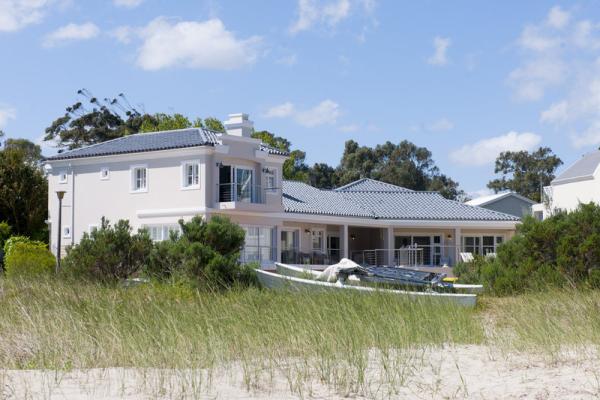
473 372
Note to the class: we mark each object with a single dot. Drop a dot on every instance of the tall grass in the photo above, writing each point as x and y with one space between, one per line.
331 337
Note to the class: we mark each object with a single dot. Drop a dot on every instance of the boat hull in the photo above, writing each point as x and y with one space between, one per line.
272 280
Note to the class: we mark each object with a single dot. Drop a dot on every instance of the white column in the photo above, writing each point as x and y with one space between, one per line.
345 242
390 246
278 241
457 245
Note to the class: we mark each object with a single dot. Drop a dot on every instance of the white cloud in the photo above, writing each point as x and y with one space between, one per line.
485 151
479 193
537 39
16 14
6 114
127 3
326 112
288 60
123 34
350 128
558 18
441 125
556 113
440 47
70 33
329 13
280 111
531 80
191 44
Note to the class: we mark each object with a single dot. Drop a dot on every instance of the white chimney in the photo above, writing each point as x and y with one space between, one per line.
239 125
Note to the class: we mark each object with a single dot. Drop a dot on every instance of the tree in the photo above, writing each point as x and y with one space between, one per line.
525 173
165 122
294 168
23 189
323 176
214 124
404 164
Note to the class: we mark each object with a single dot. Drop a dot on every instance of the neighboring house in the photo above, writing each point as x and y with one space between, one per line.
507 202
155 179
579 183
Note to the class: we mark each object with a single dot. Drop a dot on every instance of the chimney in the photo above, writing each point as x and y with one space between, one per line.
239 125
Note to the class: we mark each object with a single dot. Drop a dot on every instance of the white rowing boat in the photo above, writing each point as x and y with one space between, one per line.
272 280
299 272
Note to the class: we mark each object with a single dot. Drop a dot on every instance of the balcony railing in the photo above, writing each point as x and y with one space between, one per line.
330 256
235 192
419 255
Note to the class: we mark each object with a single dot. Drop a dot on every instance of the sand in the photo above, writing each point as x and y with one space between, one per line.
473 372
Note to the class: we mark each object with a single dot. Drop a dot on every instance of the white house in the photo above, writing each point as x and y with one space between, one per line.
155 179
579 183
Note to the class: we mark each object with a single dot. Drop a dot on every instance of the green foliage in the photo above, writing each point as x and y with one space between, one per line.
214 124
26 258
4 233
525 172
108 253
23 189
206 251
165 122
563 250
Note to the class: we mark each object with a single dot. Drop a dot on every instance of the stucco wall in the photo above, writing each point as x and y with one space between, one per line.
569 195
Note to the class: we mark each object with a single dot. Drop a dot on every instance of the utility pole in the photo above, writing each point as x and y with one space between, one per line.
60 194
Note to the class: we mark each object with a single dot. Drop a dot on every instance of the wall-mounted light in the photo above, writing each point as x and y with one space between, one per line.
449 237
219 164
267 170
307 231
352 236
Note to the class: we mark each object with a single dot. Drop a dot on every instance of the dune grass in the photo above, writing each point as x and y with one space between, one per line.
51 324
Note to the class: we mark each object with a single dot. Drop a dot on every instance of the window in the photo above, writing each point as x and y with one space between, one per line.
259 244
472 244
161 232
62 177
481 244
271 182
93 227
190 175
139 178
317 239
66 232
104 174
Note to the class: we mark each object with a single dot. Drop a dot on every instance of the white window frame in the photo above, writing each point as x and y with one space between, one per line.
260 246
133 170
66 233
63 177
184 176
107 177
480 247
271 189
323 239
170 227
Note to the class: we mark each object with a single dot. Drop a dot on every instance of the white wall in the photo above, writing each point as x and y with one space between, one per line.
569 195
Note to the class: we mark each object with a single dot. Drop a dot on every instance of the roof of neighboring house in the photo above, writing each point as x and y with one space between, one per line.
152 141
371 185
298 197
492 198
581 169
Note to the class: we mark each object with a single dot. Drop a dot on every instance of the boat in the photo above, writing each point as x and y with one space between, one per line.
273 280
388 275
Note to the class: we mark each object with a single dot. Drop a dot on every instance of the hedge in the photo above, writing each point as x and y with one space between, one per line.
24 257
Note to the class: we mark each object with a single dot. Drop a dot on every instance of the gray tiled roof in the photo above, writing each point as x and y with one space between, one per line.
301 198
582 169
371 185
152 141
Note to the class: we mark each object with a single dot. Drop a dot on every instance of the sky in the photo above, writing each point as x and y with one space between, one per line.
466 79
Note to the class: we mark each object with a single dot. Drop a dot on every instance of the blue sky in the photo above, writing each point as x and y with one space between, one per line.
467 79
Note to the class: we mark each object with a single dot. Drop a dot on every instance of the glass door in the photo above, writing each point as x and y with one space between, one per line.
290 246
243 183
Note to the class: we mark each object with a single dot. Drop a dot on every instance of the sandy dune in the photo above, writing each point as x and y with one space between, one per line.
473 372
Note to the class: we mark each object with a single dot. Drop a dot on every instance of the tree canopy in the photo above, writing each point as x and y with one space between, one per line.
524 172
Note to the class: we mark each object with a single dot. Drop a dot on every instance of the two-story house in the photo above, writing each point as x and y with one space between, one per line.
155 179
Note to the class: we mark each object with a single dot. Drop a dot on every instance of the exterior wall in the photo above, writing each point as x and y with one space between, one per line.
568 196
510 205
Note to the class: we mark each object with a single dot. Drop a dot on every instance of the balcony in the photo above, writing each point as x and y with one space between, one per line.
244 196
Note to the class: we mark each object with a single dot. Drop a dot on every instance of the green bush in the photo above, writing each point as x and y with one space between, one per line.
24 257
207 252
108 253
4 235
563 250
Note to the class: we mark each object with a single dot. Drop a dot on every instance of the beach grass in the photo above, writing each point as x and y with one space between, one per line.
331 337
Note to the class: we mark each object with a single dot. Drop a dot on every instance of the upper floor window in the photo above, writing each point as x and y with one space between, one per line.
162 232
139 178
62 177
190 174
271 182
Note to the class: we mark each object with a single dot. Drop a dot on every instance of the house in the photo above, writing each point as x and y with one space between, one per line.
578 183
507 202
155 179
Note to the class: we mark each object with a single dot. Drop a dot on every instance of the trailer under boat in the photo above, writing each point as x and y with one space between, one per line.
290 277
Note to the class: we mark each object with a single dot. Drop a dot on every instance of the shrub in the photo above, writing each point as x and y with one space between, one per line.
24 257
4 235
208 252
108 253
563 250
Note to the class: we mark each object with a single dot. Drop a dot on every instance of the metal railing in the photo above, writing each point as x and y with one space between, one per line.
258 254
330 256
412 255
227 192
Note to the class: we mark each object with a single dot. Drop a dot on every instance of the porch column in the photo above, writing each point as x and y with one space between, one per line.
389 245
344 235
278 242
457 245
